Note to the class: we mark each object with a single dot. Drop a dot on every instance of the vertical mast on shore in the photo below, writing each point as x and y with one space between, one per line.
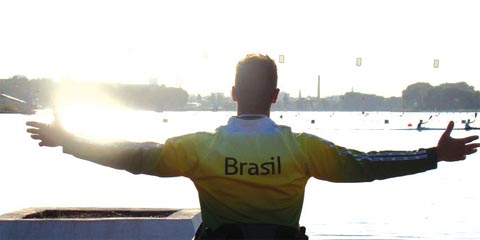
318 87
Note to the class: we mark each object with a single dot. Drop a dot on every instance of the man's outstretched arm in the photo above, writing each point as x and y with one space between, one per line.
339 164
125 155
455 149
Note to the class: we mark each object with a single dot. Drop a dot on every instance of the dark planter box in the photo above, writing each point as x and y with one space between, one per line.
100 223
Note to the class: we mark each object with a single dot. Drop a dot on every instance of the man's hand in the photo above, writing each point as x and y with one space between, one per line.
50 135
455 149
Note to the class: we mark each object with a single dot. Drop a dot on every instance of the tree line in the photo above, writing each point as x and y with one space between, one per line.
416 97
419 96
445 97
43 93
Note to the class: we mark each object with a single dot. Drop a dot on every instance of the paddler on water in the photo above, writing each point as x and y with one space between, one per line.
468 126
421 122
419 125
251 173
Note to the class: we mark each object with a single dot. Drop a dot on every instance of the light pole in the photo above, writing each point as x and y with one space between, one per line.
358 63
318 87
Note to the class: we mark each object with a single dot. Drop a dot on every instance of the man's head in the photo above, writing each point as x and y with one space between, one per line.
255 84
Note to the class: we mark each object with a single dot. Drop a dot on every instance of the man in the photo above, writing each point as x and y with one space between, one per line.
419 125
251 173
467 125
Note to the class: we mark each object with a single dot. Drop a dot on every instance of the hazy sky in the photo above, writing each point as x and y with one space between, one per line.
196 44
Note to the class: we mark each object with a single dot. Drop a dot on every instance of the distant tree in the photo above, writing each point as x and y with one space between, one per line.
476 99
17 86
451 97
172 98
355 101
393 104
19 78
413 96
42 92
147 97
462 86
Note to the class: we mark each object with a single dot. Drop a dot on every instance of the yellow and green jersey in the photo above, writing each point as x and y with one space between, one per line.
252 170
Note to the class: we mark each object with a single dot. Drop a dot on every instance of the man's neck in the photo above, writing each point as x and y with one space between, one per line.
253 109
253 113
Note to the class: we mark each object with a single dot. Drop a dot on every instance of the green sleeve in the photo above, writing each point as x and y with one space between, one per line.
129 156
327 161
177 157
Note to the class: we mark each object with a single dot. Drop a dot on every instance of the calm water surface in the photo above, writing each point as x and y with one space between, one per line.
439 204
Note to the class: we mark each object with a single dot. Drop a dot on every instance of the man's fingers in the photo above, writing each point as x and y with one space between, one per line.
470 151
33 130
473 145
469 139
471 148
449 129
36 136
36 124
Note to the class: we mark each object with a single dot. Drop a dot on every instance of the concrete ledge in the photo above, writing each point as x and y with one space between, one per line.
100 223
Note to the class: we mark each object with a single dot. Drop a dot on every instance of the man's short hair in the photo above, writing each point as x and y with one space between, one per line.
256 78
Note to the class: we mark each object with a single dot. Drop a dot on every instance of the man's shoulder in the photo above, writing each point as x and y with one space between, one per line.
311 138
191 136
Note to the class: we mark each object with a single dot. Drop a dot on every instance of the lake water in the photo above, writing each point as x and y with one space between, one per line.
439 204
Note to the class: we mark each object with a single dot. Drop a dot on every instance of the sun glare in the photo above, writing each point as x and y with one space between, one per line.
87 111
90 120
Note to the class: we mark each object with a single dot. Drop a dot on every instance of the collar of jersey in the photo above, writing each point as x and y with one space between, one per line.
250 123
252 116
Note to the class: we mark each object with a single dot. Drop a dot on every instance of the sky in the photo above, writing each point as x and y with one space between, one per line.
196 44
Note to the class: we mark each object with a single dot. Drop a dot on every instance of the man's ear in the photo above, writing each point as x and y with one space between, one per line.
275 95
234 94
